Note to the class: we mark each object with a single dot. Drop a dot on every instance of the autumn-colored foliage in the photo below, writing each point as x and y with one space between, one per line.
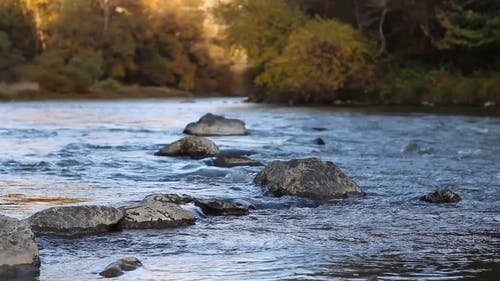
318 60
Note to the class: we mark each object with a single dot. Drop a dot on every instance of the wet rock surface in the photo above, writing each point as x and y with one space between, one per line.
234 161
309 178
18 250
319 141
214 125
192 146
156 215
168 198
212 207
442 195
75 220
118 267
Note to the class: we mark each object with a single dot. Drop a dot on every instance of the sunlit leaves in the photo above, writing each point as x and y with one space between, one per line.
260 27
319 59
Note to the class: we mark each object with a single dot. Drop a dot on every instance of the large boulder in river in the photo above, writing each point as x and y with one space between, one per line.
75 220
195 147
214 125
309 178
156 215
442 195
18 250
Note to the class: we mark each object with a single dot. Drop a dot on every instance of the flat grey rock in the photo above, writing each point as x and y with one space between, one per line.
192 146
156 215
75 220
215 125
167 198
308 178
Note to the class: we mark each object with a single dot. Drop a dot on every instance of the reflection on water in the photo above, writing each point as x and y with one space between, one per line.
57 153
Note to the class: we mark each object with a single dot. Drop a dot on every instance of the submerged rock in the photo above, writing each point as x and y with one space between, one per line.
118 267
195 147
75 220
214 125
157 215
234 161
442 195
319 141
214 207
18 250
309 178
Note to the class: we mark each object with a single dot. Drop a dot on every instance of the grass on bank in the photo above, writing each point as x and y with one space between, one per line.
25 91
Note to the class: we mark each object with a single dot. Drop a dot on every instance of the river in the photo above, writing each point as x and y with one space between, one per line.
102 152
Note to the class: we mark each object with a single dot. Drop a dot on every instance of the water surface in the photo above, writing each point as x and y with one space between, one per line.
101 152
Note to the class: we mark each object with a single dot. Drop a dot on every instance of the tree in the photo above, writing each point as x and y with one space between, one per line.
260 27
319 59
470 25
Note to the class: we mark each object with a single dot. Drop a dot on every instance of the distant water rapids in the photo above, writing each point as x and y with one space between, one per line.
101 152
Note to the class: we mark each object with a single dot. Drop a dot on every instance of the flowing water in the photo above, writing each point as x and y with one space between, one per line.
102 152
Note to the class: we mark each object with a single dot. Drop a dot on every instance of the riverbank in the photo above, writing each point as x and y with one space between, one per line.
31 92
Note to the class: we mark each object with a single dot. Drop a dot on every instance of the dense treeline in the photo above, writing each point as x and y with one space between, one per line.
75 45
392 51
300 51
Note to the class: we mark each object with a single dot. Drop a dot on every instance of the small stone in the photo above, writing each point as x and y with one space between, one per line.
192 146
116 268
213 207
319 141
215 125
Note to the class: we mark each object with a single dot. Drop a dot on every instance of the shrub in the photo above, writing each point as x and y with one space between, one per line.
319 59
109 85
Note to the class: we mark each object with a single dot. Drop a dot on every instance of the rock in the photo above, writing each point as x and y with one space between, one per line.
116 268
221 208
168 198
236 152
319 141
75 220
214 125
234 161
309 178
442 195
157 215
195 147
18 250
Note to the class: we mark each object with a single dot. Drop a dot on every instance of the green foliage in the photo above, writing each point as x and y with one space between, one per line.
414 84
17 28
5 43
60 71
109 86
470 24
319 59
260 27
